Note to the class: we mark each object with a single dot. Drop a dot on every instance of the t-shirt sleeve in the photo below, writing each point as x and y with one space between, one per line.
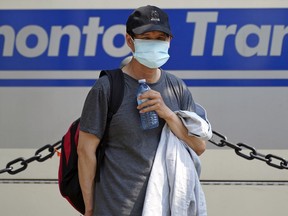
94 113
187 102
183 94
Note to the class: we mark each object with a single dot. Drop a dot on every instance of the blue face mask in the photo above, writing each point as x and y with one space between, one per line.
151 53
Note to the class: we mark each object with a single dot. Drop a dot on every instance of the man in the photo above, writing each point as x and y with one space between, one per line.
130 150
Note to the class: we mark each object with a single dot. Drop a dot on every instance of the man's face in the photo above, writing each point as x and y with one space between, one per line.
153 35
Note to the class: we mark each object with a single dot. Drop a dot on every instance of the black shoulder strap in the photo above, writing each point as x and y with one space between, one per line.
116 79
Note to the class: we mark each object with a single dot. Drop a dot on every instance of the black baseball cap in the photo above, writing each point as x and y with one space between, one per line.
148 18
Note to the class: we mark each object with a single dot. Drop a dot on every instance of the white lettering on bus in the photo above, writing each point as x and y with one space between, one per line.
264 33
52 43
269 39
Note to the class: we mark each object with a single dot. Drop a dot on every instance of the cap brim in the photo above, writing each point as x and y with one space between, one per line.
151 27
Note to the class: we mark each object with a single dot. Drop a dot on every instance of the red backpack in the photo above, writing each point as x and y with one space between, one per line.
68 180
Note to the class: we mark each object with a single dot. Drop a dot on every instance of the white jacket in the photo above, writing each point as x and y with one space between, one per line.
174 188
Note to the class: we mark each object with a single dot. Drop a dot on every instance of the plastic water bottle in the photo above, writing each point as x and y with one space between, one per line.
150 119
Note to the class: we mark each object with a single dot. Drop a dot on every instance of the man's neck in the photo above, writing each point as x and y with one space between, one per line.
139 71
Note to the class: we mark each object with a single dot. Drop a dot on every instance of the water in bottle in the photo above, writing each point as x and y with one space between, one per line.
150 119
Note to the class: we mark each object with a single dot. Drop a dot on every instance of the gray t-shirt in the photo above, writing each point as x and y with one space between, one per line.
130 150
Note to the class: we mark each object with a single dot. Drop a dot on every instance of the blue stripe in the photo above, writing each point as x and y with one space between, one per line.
189 82
46 82
183 57
236 82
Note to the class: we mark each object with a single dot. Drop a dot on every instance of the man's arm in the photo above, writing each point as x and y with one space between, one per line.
178 128
87 164
175 124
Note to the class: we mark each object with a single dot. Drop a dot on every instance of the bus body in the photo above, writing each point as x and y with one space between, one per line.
231 54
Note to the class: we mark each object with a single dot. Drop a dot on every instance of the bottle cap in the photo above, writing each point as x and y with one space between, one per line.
142 81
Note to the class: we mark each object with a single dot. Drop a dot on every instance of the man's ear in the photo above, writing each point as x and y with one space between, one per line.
129 41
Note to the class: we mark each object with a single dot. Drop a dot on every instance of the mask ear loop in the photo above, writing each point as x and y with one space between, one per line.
131 37
132 41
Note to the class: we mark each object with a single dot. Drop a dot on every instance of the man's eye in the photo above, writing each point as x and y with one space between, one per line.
160 38
148 38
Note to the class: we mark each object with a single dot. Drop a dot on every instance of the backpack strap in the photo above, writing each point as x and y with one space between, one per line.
116 79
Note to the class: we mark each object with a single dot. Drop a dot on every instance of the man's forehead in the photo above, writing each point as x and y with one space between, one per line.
154 33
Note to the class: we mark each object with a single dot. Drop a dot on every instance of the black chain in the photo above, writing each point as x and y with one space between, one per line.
217 139
42 154
239 148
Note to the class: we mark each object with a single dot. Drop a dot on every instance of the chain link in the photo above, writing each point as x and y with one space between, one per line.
239 148
243 150
42 154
